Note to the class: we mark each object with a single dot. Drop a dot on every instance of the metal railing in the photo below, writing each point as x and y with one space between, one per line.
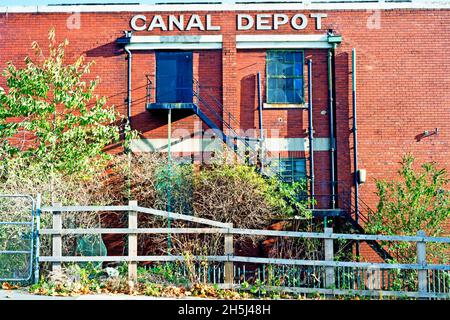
326 276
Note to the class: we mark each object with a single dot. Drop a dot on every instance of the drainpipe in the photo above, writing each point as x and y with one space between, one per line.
169 176
355 143
331 121
127 150
261 130
130 57
311 133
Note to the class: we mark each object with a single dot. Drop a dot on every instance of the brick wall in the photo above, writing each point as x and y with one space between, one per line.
402 77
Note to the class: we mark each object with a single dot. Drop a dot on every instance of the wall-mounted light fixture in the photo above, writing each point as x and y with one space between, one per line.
426 134
362 176
128 33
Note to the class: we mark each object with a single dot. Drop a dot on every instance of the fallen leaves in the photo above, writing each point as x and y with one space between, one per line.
8 286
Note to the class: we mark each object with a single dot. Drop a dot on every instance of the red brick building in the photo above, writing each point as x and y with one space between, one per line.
243 68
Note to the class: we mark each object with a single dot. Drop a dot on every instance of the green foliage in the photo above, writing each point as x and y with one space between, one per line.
283 199
174 182
258 287
58 120
165 273
420 200
288 197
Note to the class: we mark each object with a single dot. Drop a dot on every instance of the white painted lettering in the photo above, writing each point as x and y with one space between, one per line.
177 22
195 22
279 19
250 22
263 22
157 22
318 17
295 24
209 25
134 23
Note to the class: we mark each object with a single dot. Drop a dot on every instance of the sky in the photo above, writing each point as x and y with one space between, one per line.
44 2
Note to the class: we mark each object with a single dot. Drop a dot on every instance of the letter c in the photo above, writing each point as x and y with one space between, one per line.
134 20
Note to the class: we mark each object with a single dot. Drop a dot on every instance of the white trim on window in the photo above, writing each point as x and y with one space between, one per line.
175 42
282 41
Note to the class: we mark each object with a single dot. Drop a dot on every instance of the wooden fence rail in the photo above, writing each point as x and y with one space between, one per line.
229 258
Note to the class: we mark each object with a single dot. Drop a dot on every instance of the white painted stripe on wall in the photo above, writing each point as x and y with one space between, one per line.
296 144
185 145
199 145
285 41
416 4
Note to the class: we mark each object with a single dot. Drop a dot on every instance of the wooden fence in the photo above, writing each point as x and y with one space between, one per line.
433 280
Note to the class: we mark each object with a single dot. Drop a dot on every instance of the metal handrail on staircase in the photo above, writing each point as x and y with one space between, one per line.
346 210
266 170
364 217
215 110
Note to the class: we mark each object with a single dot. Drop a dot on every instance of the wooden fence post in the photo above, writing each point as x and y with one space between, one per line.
132 242
329 256
422 260
229 251
57 238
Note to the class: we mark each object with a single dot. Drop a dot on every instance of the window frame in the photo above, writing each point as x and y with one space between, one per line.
281 163
287 104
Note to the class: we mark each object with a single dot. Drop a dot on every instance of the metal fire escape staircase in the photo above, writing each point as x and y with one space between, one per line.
353 216
210 110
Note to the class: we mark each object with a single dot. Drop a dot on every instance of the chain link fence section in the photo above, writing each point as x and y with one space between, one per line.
17 237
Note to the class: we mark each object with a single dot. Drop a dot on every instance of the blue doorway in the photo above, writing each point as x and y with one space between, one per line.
174 77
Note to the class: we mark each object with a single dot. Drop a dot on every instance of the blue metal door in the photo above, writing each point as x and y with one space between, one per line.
174 77
17 235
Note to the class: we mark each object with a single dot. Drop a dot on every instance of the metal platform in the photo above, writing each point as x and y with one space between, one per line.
170 105
321 213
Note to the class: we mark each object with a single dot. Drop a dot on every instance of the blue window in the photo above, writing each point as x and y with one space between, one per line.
284 71
173 77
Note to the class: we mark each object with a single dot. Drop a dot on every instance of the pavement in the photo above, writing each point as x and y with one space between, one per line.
21 294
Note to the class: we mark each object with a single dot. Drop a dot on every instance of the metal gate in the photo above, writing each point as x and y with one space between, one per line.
17 237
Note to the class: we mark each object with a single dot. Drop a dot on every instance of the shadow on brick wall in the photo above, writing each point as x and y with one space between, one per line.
107 50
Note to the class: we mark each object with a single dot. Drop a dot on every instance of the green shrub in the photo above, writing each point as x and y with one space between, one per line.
418 200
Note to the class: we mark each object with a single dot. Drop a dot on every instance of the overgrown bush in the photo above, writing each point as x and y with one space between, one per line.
418 200
227 193
232 193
